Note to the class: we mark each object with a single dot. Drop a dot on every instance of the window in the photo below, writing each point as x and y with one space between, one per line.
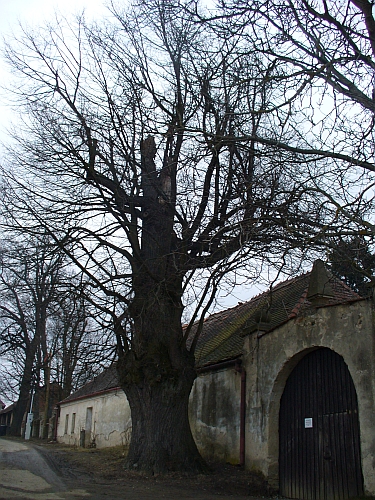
73 423
66 423
88 419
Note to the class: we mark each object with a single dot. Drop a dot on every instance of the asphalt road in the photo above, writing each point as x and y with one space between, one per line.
25 474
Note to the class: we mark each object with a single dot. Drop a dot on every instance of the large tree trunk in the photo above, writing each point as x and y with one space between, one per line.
157 375
161 438
20 410
156 371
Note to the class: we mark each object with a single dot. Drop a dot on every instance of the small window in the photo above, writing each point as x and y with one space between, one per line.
88 419
73 423
66 423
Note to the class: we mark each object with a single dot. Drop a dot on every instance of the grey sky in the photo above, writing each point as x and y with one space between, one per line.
35 13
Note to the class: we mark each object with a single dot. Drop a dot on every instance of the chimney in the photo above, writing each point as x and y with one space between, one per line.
320 289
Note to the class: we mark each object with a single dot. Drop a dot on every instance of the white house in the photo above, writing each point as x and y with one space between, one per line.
97 415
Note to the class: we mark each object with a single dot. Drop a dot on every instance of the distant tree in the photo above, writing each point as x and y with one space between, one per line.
352 261
45 329
29 279
79 342
141 156
8 382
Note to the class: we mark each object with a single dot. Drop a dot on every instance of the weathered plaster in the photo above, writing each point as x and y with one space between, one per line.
111 422
271 357
214 413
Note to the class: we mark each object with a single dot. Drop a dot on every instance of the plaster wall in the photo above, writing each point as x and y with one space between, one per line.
214 414
110 425
270 358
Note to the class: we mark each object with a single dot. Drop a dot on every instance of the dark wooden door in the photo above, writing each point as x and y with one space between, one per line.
320 456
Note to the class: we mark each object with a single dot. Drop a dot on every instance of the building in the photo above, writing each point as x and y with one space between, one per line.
97 415
6 417
286 386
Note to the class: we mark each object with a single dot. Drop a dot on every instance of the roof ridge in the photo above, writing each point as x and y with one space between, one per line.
94 380
269 291
288 281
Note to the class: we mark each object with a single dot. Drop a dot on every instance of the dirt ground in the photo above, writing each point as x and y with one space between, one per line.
102 474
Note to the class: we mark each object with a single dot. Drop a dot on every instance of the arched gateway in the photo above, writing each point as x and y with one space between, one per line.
320 457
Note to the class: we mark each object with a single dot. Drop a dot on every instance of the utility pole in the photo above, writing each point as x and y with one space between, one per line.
29 419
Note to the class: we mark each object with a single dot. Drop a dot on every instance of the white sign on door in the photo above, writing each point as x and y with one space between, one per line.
308 423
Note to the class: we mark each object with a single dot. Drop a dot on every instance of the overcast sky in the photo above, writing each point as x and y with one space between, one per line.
36 13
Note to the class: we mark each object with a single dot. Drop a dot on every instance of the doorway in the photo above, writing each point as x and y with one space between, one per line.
88 426
319 438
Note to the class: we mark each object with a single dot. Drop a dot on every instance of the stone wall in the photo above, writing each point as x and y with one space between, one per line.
271 357
214 412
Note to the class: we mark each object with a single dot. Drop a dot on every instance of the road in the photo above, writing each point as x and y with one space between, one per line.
27 472
24 474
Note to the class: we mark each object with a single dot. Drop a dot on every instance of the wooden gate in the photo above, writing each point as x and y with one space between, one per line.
320 457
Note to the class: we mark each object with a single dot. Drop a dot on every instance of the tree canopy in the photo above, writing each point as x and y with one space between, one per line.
324 53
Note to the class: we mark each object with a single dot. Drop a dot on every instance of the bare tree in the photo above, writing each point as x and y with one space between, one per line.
323 53
48 328
28 281
79 341
140 157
